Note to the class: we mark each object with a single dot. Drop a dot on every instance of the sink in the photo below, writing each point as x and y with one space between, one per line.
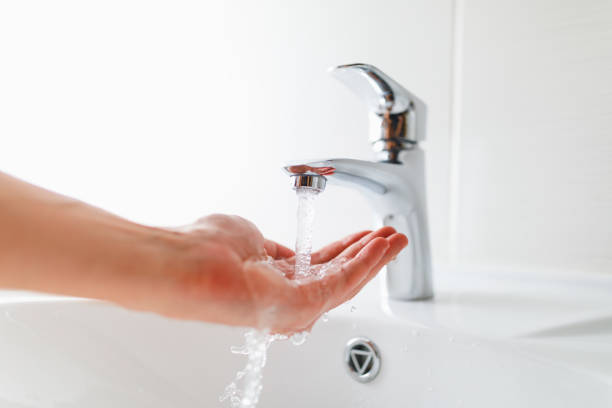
489 338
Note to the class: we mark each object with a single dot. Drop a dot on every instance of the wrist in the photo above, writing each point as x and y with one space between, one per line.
144 267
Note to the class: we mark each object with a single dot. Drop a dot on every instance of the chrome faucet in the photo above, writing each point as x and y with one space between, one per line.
395 185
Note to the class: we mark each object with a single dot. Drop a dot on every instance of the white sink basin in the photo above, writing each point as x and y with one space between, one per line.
489 339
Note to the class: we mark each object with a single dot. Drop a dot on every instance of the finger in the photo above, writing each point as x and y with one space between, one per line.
329 252
337 286
284 252
355 248
397 242
277 251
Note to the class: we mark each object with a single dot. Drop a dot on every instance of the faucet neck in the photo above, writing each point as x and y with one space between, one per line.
390 135
397 116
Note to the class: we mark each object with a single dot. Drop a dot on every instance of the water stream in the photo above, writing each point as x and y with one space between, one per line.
305 223
245 389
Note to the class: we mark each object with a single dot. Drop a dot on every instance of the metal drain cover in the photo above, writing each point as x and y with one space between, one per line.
362 359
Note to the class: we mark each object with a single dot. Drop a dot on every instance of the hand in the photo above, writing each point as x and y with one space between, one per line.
233 275
221 269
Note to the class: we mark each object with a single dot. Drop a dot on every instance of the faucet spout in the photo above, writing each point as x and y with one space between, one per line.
344 171
396 193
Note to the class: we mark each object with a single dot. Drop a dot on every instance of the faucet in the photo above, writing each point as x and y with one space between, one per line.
395 184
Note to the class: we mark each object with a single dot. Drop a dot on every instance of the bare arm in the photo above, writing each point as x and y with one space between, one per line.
212 270
53 243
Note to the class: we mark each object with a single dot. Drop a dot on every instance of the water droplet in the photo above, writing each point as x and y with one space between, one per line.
353 308
451 339
430 389
405 349
299 338
280 337
325 317
239 349
257 342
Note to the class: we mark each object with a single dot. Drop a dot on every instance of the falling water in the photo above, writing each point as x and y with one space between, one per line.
305 222
246 388
250 378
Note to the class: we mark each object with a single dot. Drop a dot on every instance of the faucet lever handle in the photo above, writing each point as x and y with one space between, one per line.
405 113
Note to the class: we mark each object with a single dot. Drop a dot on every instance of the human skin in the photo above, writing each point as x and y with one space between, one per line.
220 269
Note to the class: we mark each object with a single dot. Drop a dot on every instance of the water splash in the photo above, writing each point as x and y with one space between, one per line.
244 391
246 388
250 378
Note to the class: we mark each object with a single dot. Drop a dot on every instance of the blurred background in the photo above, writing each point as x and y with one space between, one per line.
163 112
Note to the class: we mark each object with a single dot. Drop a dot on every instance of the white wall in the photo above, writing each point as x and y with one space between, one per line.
536 134
165 111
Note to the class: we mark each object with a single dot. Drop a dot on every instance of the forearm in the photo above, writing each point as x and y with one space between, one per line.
56 244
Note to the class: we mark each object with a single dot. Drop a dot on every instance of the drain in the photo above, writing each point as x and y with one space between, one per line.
362 359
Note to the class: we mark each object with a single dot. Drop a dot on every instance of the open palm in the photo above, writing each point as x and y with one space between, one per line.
238 277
